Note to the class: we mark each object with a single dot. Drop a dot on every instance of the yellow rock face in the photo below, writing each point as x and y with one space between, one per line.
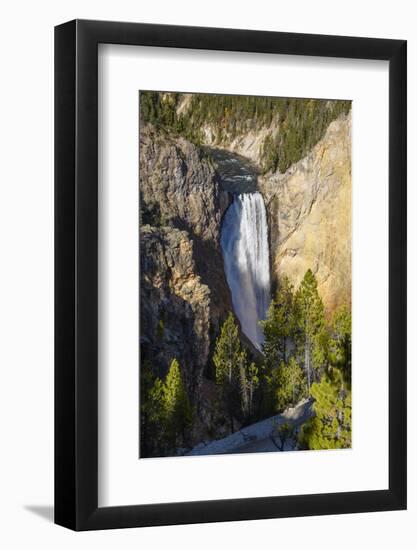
309 210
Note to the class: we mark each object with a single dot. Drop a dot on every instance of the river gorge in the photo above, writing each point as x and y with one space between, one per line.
218 232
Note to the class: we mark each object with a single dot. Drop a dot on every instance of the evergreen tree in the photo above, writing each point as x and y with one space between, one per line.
249 380
297 381
156 402
159 109
341 342
330 428
291 385
279 325
152 412
177 409
236 379
283 391
253 383
227 352
311 325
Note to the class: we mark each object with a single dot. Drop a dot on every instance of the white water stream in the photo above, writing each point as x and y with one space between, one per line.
244 242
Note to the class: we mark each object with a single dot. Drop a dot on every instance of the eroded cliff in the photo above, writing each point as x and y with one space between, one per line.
309 213
184 294
174 305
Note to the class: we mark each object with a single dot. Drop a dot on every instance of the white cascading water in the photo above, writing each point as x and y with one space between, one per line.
244 242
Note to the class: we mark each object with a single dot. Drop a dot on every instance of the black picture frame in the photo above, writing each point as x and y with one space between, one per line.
76 272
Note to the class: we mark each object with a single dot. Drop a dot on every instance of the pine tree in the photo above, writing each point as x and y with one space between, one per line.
283 392
248 381
330 428
311 325
341 342
177 409
291 385
156 402
279 334
227 352
279 325
236 379
152 412
297 381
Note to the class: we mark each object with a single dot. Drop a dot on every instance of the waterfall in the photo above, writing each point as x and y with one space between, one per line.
244 243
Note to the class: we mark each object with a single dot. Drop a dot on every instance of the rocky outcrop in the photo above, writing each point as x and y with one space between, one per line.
309 211
174 304
184 293
248 144
178 185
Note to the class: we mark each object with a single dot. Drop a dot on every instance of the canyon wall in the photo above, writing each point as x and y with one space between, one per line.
184 294
248 145
309 212
175 305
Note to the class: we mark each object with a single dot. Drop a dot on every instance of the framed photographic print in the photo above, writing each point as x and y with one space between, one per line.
230 275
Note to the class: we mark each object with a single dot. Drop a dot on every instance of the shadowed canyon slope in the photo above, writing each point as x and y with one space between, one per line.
175 304
184 294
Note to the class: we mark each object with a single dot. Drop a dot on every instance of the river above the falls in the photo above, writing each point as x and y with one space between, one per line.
237 173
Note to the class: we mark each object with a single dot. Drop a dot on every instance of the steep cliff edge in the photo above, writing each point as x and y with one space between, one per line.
175 304
178 185
184 294
309 211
